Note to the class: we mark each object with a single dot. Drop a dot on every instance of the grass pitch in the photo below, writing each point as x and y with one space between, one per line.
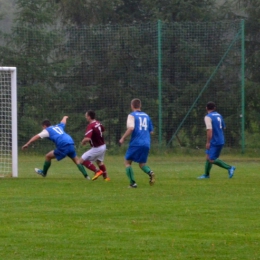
64 216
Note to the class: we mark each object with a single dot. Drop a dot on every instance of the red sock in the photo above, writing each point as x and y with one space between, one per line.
90 166
103 169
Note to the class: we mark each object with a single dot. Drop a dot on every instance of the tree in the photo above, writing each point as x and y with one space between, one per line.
31 48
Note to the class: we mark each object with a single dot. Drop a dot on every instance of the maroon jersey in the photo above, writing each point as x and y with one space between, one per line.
95 131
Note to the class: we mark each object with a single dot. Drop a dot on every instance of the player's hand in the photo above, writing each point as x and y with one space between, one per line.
121 141
84 141
207 146
25 146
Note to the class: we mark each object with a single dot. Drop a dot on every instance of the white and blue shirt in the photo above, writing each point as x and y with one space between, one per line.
143 126
57 134
215 121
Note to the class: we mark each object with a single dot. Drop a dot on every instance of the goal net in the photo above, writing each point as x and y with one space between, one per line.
8 122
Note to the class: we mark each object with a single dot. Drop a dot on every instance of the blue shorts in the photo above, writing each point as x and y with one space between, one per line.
67 150
214 151
137 154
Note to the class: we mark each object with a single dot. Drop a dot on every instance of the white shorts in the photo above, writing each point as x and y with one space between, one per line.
94 154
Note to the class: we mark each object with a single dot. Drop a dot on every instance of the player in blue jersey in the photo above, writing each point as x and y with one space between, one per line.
64 146
215 141
139 126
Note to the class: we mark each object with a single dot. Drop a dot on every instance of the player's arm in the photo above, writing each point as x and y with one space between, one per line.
33 139
85 140
223 124
43 134
151 127
64 120
130 128
208 123
88 136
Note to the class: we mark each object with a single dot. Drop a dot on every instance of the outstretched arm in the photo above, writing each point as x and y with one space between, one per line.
64 120
33 139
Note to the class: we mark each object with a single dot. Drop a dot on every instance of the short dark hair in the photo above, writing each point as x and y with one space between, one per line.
211 106
91 114
46 122
136 103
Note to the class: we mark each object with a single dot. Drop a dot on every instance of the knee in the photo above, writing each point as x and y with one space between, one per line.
99 163
47 157
141 165
211 161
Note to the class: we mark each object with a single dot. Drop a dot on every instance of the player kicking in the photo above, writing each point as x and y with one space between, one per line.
215 141
64 146
94 135
139 126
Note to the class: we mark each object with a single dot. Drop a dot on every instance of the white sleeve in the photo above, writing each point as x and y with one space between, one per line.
208 122
44 133
130 121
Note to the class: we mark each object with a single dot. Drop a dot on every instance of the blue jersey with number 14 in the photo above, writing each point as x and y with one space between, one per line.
143 127
218 125
58 135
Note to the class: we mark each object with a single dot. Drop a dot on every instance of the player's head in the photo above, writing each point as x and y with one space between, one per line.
90 115
136 104
46 123
211 106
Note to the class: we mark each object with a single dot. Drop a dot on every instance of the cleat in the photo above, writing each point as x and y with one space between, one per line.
204 176
152 178
231 171
107 179
40 172
134 185
97 175
87 178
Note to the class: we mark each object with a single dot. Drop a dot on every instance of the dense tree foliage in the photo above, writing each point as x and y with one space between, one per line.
73 55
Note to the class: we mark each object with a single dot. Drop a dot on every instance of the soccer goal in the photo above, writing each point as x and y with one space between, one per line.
8 122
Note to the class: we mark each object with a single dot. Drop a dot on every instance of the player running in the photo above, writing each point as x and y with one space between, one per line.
94 135
64 146
139 126
215 141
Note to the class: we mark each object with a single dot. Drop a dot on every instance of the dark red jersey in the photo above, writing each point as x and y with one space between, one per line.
95 131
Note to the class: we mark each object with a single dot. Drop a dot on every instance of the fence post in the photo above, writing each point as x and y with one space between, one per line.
243 84
159 28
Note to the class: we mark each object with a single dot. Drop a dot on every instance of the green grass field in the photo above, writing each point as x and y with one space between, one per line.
64 216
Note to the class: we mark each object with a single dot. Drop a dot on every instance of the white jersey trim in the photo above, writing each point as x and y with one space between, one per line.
91 130
44 134
130 121
208 122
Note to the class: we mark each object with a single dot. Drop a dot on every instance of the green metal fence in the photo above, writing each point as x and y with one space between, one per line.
174 68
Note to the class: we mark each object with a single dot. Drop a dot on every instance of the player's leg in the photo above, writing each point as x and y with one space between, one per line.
130 173
47 163
87 158
141 155
145 168
80 167
208 166
215 160
212 158
129 157
73 156
103 168
100 163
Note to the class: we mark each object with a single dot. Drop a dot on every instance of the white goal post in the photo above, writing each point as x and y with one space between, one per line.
8 122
